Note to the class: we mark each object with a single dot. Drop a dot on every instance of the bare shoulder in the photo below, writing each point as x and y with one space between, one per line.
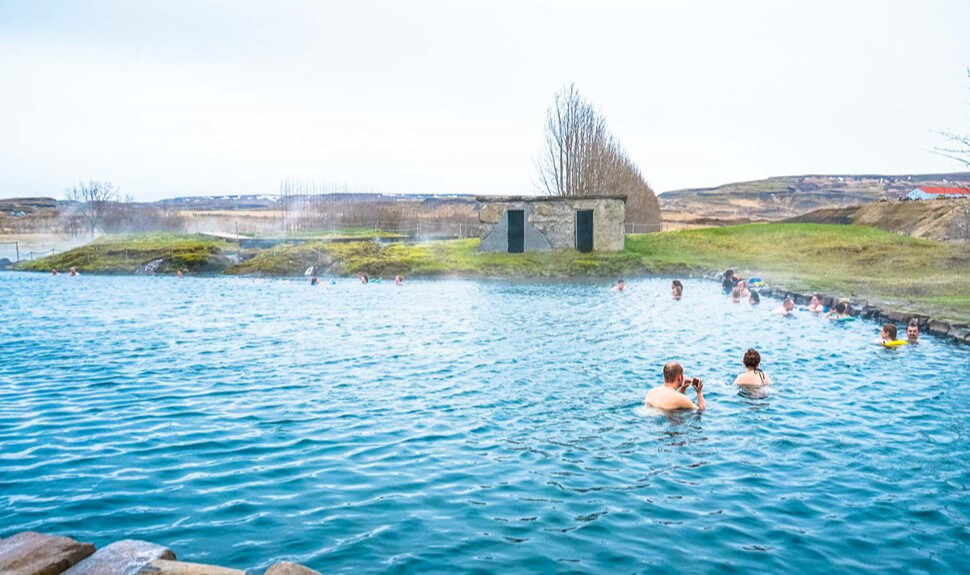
665 398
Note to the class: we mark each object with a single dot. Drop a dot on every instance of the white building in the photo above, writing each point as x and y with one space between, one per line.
932 193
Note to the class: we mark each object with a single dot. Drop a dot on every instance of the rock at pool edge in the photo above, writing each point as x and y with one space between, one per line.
125 557
31 553
287 568
164 567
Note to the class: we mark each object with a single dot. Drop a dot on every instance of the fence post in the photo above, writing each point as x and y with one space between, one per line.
17 246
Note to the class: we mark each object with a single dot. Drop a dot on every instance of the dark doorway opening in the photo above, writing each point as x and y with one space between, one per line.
584 230
516 231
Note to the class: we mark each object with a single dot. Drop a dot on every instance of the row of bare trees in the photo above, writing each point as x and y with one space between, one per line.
582 158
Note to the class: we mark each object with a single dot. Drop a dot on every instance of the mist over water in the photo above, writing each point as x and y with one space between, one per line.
452 426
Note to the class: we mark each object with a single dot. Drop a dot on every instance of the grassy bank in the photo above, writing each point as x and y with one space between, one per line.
923 275
129 254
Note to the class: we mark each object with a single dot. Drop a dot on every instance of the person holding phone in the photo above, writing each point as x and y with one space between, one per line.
673 393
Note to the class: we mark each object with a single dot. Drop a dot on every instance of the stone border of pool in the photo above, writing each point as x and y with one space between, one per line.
30 553
862 308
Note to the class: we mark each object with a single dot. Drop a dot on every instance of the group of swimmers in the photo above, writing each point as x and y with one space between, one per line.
672 394
71 272
362 278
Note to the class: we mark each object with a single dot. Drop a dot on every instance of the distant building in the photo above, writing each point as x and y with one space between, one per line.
517 224
932 193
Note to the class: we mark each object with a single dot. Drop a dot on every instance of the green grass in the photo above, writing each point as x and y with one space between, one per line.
852 261
127 254
924 276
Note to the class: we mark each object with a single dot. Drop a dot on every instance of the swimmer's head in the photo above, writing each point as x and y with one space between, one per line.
816 300
912 330
841 307
673 372
751 358
888 331
788 304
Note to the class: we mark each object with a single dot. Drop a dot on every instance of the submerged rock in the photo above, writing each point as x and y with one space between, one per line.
30 553
164 567
287 568
125 557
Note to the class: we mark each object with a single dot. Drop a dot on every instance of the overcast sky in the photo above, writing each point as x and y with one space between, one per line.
191 97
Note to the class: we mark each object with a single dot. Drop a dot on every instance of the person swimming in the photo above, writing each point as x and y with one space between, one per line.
363 278
314 281
179 274
840 311
743 290
398 280
620 285
754 298
912 331
677 289
54 271
887 336
785 308
729 282
735 295
73 272
671 395
815 306
753 375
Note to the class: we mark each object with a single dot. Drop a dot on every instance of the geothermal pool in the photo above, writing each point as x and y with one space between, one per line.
455 426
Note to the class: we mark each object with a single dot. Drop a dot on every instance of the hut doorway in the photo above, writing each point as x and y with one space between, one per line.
516 231
584 230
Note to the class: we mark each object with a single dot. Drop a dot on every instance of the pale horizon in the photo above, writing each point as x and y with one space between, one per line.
173 99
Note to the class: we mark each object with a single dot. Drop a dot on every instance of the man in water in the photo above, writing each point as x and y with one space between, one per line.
671 395
677 289
398 280
785 308
912 331
729 282
620 286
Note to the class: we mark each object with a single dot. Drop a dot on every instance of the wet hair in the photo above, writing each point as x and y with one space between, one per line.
671 371
729 274
841 307
755 298
914 323
890 329
752 358
788 300
677 284
620 281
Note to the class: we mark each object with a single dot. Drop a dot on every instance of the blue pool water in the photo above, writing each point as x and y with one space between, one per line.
454 426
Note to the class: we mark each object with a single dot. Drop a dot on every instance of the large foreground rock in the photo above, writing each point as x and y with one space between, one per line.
163 567
287 568
30 553
125 557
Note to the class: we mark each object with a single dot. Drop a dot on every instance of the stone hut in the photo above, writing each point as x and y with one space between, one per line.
517 224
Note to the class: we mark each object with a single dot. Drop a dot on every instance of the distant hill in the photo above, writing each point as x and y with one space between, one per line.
788 196
933 219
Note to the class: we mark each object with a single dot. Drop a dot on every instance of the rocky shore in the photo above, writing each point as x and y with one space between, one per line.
862 308
30 553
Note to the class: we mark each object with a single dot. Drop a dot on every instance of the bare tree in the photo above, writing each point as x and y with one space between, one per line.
92 200
582 158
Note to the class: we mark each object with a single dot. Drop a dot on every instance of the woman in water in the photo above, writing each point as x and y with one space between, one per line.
816 305
754 298
752 376
677 289
840 311
363 278
736 295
